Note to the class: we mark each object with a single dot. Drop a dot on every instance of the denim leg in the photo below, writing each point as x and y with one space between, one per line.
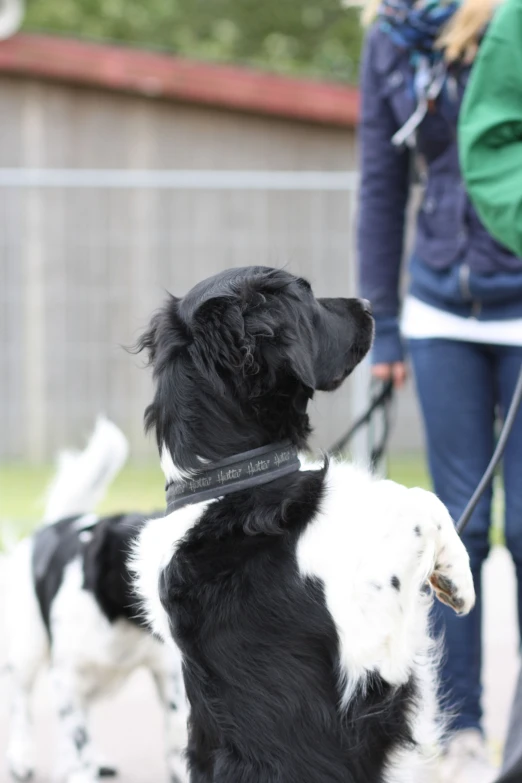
509 364
512 761
456 388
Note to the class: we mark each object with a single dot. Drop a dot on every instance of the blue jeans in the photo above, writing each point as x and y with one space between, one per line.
462 387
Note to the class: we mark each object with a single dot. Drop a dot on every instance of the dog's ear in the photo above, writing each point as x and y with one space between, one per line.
298 357
222 338
147 341
165 341
253 334
164 331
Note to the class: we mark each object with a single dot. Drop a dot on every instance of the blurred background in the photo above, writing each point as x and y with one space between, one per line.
144 146
142 149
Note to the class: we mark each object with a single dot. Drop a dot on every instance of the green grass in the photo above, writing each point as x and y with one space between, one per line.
410 470
141 488
22 494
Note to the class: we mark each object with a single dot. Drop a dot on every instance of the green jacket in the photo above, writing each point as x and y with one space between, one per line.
490 128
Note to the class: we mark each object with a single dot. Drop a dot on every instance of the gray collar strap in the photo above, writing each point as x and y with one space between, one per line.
234 474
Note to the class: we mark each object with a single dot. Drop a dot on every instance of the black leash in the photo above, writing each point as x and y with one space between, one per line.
495 459
382 399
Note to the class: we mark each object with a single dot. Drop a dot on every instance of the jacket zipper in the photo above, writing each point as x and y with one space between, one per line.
464 273
476 305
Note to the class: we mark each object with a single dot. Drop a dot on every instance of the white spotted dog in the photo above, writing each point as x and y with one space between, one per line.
295 592
71 608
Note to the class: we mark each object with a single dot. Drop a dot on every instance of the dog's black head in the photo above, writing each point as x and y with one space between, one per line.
237 359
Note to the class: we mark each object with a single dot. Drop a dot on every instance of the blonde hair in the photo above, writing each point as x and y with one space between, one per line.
460 37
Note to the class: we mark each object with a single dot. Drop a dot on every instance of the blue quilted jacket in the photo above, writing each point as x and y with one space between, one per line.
456 265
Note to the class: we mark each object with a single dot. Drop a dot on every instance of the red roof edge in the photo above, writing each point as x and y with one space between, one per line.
163 76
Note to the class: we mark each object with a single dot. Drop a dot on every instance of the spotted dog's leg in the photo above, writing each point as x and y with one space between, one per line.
75 760
417 546
444 563
412 543
451 575
20 747
27 652
171 692
420 538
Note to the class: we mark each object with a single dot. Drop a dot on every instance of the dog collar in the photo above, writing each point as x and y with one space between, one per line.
234 474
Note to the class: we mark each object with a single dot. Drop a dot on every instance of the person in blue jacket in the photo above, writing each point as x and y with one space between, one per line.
461 319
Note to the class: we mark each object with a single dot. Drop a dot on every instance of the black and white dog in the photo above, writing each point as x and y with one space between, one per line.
295 594
70 606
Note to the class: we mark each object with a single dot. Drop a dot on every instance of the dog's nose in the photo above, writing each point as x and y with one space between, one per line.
367 305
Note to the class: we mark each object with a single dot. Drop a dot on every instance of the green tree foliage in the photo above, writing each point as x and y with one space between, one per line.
314 37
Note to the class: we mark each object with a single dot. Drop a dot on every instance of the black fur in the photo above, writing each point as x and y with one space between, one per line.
237 360
104 553
235 363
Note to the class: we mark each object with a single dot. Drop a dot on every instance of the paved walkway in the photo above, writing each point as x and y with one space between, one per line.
128 729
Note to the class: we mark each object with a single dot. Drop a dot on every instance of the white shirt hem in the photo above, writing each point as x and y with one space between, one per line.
420 321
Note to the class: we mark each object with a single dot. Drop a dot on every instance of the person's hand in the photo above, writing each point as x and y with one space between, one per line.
397 371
